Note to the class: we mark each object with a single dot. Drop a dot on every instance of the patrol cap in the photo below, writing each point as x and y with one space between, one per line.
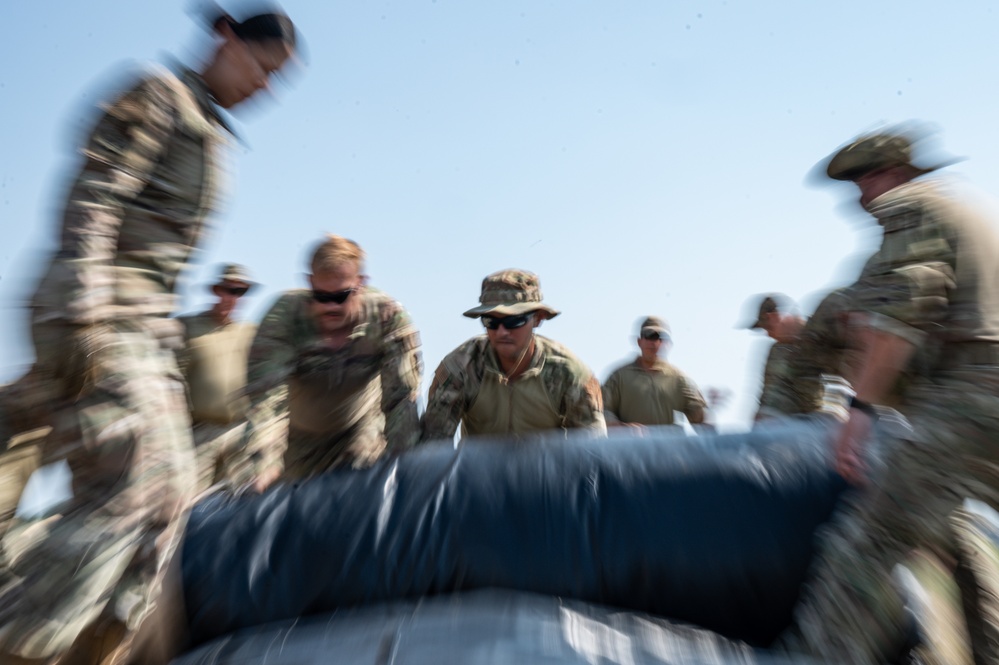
654 324
234 272
771 302
509 293
884 149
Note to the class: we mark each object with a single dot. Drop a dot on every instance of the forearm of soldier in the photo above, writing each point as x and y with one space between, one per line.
440 420
402 426
401 376
264 440
696 414
884 356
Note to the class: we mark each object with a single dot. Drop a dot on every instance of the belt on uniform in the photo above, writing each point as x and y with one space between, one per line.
970 353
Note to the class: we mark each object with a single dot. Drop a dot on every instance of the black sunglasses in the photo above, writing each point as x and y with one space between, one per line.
508 322
238 291
653 335
338 297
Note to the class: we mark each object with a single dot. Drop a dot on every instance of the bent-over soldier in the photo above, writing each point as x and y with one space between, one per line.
511 381
333 377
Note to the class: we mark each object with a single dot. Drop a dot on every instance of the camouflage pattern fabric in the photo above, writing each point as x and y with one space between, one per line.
214 444
814 374
932 282
21 458
313 408
785 392
976 531
126 439
633 394
572 390
105 377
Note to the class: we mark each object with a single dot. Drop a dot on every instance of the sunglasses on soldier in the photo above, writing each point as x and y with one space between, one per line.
337 297
238 291
508 322
653 336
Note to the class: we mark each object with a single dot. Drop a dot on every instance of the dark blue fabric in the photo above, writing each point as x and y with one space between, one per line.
715 531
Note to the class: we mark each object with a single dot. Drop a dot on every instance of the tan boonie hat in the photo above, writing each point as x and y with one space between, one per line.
233 272
509 293
880 150
654 324
773 302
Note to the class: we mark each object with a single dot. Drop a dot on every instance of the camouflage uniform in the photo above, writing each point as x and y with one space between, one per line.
313 408
633 394
932 283
812 373
105 375
213 362
556 390
784 392
21 458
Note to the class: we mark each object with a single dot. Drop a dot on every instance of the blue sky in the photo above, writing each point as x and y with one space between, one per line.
642 157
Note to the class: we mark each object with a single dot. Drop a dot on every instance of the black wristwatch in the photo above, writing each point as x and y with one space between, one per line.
861 405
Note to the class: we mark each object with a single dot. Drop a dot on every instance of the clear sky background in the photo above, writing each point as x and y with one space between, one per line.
643 157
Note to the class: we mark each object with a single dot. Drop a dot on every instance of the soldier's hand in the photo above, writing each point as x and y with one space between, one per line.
266 479
849 448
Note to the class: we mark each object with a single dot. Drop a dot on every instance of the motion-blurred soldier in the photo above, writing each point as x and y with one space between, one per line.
809 365
333 377
93 583
510 381
782 394
213 361
931 285
649 390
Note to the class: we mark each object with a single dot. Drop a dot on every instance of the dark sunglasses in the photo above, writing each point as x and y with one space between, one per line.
238 291
338 297
653 335
508 322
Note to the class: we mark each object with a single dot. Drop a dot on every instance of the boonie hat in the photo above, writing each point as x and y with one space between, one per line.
881 150
509 293
234 272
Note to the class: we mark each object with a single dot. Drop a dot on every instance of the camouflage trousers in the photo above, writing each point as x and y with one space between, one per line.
851 610
120 421
21 458
214 445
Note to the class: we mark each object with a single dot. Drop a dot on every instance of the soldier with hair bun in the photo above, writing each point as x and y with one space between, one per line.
84 586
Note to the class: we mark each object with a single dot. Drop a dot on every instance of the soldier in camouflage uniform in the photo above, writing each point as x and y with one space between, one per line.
333 377
510 381
783 392
213 362
86 582
930 292
648 390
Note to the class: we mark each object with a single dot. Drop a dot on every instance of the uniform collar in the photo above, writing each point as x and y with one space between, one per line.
206 101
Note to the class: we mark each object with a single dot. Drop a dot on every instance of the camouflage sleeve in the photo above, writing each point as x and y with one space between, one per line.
611 395
583 403
401 374
271 360
119 158
775 397
906 286
445 404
